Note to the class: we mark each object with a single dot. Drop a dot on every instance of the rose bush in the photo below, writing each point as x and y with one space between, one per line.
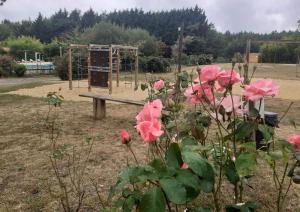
198 147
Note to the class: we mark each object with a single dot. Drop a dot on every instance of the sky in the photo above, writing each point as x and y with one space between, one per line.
261 16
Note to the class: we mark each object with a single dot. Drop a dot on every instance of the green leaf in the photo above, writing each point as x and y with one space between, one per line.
231 173
266 131
174 190
198 164
245 164
248 147
161 170
188 141
207 185
173 156
153 200
244 130
276 155
202 168
190 181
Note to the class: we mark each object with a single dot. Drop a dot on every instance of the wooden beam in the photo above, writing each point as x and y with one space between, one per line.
112 99
110 70
70 69
136 69
78 46
118 68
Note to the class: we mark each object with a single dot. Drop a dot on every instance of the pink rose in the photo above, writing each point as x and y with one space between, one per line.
295 140
152 110
260 88
159 84
125 137
149 130
209 73
226 102
199 93
227 78
184 166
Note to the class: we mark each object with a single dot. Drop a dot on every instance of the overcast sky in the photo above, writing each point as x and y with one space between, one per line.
233 15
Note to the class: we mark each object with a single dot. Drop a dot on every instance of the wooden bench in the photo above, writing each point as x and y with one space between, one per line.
99 103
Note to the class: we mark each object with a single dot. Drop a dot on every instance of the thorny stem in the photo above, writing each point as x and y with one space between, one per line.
280 200
130 149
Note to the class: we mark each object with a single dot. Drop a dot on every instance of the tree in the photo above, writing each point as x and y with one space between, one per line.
88 19
40 29
24 43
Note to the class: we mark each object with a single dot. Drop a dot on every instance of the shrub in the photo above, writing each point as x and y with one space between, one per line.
6 63
20 70
154 64
1 71
61 67
205 59
18 45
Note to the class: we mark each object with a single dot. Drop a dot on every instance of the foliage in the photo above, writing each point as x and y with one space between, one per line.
52 49
202 147
6 64
19 45
108 33
154 64
61 67
19 70
279 53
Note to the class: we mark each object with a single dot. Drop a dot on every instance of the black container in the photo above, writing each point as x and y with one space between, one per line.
271 119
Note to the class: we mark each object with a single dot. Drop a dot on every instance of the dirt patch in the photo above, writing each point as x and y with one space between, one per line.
123 91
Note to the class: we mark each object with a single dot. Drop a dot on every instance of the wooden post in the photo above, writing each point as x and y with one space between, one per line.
70 69
118 67
89 71
180 47
136 68
99 108
110 70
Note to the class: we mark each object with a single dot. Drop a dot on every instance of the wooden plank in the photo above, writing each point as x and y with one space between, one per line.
99 108
113 99
78 46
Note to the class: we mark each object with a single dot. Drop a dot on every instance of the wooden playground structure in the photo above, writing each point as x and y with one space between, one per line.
102 62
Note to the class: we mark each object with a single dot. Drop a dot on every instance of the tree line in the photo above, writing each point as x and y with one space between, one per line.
200 36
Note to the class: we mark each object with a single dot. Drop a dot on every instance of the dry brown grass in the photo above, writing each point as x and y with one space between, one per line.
25 168
25 171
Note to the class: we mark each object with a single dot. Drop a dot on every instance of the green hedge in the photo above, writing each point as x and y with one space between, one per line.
154 64
20 70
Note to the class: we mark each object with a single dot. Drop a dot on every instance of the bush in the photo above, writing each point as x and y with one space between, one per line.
18 45
20 70
6 64
154 64
61 67
202 59
1 71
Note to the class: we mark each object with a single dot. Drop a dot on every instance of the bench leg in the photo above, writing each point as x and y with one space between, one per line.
99 108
